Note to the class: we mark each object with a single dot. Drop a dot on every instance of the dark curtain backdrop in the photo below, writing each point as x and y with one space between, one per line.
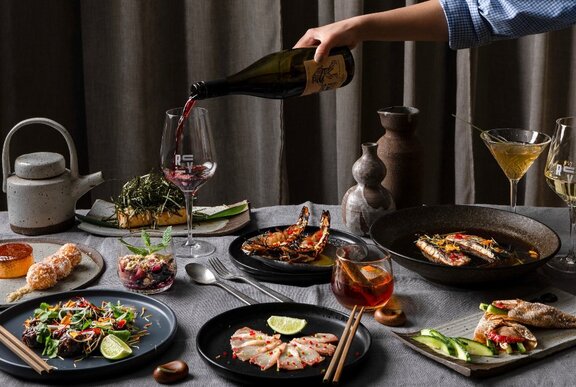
108 70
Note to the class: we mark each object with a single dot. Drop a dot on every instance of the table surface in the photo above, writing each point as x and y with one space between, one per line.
389 362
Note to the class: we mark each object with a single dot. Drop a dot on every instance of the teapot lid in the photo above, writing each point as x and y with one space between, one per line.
39 165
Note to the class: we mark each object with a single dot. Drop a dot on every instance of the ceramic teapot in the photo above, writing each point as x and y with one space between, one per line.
42 192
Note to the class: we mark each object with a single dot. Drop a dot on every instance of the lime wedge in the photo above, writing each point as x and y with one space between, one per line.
113 348
286 325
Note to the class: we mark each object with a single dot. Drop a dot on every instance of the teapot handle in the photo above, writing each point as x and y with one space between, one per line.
38 120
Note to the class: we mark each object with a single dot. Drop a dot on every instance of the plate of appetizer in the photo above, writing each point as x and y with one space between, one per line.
87 317
296 248
37 267
232 342
503 335
465 245
152 203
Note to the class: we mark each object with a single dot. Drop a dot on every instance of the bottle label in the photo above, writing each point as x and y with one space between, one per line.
328 75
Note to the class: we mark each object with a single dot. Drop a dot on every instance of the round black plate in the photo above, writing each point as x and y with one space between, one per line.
400 225
282 272
161 332
213 341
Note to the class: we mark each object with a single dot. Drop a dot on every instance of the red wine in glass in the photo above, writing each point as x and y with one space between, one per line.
188 161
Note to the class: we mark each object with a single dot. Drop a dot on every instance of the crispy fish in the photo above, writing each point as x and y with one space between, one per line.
536 314
473 244
437 255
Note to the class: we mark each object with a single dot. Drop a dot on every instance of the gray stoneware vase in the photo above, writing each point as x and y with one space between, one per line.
368 200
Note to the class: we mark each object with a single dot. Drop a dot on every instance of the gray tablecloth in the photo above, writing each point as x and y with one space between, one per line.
389 362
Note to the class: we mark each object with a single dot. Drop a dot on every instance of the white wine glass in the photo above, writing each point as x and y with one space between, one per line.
188 161
515 150
559 174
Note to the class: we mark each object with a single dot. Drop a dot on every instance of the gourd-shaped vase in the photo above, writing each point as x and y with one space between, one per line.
401 151
368 200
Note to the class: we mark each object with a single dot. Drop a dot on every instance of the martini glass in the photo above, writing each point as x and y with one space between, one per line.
559 174
188 161
515 150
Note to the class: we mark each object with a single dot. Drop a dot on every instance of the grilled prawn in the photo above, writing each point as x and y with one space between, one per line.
308 248
271 242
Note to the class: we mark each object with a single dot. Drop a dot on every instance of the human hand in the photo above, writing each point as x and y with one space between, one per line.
341 33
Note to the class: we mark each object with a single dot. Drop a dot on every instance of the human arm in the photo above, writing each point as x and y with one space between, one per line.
422 21
463 23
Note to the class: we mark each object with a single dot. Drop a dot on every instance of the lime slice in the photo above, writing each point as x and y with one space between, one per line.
286 325
113 348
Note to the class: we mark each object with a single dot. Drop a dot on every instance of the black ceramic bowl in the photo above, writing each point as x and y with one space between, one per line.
397 231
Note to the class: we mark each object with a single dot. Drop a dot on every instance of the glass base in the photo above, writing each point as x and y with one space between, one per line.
566 264
195 249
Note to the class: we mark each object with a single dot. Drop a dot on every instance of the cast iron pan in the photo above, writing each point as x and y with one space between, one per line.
397 230
213 342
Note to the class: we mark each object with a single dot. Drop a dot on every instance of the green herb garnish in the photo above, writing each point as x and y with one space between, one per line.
149 247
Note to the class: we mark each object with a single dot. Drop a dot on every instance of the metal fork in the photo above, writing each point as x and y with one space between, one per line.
224 273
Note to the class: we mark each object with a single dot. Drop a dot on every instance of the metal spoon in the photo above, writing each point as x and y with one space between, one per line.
202 275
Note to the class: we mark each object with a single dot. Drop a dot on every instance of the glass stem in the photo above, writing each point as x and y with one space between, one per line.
513 194
189 197
570 258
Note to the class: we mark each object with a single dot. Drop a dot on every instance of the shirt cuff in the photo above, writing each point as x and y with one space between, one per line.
466 27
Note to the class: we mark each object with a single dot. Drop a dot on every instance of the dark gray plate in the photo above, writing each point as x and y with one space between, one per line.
395 231
213 342
337 239
161 332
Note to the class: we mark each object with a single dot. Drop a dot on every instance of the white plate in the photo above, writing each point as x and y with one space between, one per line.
103 210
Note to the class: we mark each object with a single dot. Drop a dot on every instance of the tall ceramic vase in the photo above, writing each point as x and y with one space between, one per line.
401 151
368 200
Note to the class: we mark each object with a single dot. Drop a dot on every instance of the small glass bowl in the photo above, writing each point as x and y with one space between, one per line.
147 274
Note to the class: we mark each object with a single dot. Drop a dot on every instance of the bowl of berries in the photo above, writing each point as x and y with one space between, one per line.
147 264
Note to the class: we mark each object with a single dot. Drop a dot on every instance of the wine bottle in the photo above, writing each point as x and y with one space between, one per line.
283 74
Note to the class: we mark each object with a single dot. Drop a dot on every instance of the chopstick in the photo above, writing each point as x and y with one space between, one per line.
343 347
23 352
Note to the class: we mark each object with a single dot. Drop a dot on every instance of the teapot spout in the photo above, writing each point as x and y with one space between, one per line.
85 183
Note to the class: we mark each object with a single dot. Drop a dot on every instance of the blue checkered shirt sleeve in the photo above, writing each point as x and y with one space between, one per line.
476 22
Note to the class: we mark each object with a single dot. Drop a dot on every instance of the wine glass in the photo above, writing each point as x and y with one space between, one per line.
187 159
559 174
515 150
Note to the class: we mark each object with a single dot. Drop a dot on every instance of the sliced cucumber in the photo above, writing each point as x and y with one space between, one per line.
461 352
476 348
433 342
435 333
521 348
489 308
495 310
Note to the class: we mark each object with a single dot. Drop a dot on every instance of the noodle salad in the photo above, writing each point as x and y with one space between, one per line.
74 329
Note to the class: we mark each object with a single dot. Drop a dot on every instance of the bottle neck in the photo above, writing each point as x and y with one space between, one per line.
209 89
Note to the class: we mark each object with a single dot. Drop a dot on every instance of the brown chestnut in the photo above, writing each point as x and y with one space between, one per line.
390 317
171 372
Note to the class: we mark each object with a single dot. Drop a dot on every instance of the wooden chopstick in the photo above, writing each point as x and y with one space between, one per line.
339 358
23 352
